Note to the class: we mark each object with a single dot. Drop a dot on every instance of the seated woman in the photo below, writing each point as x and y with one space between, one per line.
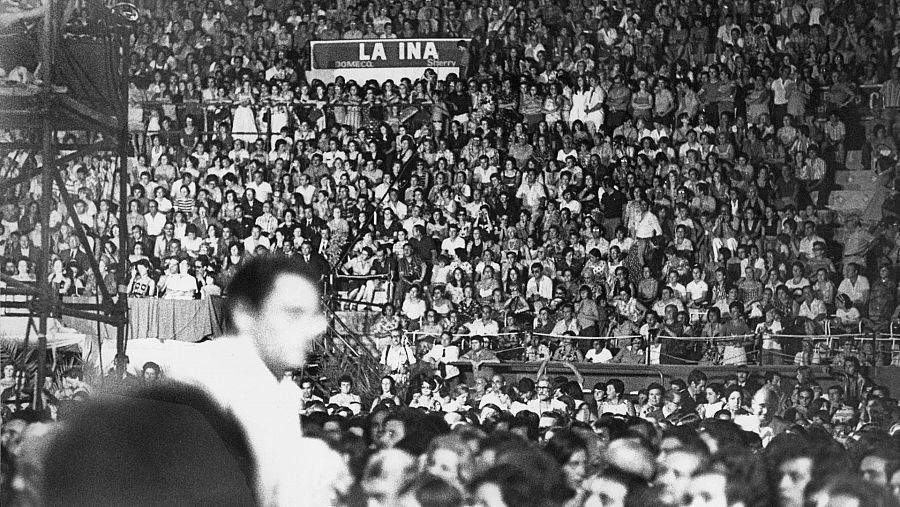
141 284
361 265
615 402
428 397
431 327
381 267
567 352
414 307
847 317
440 303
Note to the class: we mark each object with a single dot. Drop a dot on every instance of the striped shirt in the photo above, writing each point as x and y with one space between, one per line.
185 205
890 93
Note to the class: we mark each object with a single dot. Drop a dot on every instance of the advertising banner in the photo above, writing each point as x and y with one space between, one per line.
383 59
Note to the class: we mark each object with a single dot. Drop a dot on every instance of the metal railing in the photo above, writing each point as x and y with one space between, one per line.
208 115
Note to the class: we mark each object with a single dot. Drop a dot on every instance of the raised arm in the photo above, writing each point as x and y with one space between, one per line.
542 370
578 376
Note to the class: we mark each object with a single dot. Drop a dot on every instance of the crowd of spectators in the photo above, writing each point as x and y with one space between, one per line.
735 440
604 181
597 169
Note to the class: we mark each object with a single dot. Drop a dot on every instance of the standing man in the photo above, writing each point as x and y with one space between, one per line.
272 319
779 92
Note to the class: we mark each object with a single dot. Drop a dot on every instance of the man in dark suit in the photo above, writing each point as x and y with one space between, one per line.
310 224
289 224
313 263
24 249
203 221
75 254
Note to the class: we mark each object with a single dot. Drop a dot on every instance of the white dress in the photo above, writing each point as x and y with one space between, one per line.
596 118
243 126
279 117
579 103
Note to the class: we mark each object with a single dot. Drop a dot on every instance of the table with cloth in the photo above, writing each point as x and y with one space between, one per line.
162 319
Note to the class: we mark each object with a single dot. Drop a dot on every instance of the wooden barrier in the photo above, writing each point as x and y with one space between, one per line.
637 377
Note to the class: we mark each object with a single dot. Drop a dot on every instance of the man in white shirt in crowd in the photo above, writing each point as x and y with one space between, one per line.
762 420
273 317
395 204
333 153
810 238
483 171
155 219
568 322
597 241
485 325
531 191
442 354
646 225
267 222
854 285
539 287
779 95
453 241
599 353
544 402
255 239
261 188
697 289
397 356
346 398
493 393
307 394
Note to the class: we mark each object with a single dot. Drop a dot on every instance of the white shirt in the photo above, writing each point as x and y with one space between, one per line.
539 407
696 289
443 355
395 356
450 245
330 156
604 356
806 244
155 223
480 327
531 194
268 223
399 209
859 292
250 244
231 372
542 288
647 226
600 244
351 401
779 91
263 190
562 326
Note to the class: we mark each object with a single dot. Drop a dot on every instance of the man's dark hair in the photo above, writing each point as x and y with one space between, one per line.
431 490
105 445
696 376
527 477
254 282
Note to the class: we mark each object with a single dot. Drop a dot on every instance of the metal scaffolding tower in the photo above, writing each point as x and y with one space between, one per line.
63 100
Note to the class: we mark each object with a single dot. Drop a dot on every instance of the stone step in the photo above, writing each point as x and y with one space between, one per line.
856 180
846 201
